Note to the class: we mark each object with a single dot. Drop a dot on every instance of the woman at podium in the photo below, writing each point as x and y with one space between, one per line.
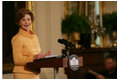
25 45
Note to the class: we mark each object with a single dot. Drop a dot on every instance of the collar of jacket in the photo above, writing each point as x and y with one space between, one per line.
26 34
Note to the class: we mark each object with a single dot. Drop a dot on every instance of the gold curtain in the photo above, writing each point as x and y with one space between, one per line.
65 8
102 10
30 6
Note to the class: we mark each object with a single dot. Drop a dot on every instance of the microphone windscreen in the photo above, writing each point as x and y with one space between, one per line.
60 41
64 41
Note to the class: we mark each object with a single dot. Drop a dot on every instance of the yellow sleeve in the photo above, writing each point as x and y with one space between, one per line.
18 57
37 43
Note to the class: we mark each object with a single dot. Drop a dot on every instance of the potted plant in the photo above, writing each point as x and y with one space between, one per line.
75 24
110 24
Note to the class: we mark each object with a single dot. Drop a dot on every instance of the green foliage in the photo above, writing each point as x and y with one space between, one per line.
110 22
75 23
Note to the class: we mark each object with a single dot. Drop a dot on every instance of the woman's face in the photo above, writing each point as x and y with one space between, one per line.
25 22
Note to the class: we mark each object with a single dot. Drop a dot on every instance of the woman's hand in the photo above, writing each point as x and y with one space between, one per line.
39 56
48 53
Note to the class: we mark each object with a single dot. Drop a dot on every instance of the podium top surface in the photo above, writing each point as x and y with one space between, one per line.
51 62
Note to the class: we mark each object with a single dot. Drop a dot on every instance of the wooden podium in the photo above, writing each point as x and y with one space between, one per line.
93 59
55 63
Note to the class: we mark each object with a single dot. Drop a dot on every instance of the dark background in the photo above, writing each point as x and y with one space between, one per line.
9 29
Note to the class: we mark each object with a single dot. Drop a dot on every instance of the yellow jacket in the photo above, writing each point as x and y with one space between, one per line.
25 46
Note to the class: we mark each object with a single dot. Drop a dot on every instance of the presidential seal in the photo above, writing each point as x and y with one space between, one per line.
73 62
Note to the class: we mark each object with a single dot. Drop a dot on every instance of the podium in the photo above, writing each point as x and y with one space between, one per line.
55 63
93 59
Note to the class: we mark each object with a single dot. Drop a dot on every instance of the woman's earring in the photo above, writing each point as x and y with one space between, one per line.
19 24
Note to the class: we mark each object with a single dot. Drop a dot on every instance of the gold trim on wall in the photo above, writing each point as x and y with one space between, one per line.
101 36
30 6
103 7
65 8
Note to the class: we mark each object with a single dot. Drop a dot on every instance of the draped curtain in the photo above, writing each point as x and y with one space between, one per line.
30 6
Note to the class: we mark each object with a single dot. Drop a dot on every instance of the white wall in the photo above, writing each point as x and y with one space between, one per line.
48 17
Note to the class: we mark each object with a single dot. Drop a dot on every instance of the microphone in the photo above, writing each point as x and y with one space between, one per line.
60 41
63 41
68 46
66 43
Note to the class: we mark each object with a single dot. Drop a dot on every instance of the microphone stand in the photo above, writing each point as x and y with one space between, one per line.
68 48
56 69
68 51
